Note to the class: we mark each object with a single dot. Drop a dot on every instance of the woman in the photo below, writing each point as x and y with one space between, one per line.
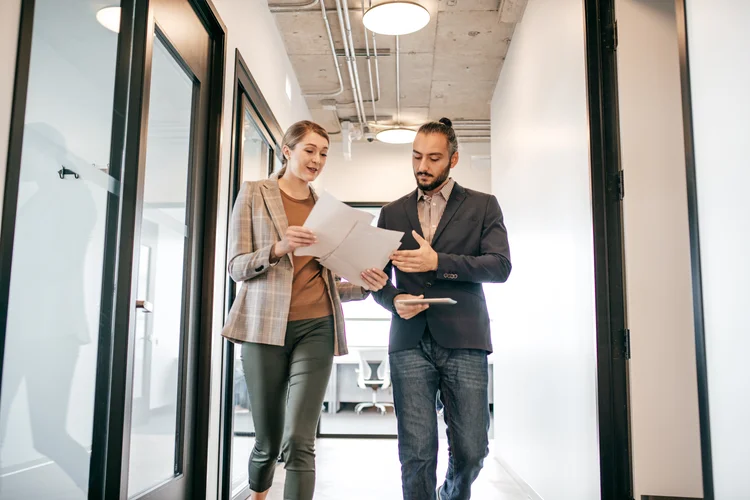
287 314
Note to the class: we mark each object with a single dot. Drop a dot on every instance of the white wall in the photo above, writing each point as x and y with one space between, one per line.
720 78
663 388
10 11
251 28
382 172
544 323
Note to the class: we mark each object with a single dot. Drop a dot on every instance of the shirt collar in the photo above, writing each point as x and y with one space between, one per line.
445 192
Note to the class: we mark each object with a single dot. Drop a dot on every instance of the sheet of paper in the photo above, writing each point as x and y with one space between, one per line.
365 247
331 220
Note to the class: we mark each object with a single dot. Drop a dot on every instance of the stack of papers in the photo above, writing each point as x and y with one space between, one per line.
347 242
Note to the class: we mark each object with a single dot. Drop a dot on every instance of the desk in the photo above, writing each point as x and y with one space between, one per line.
343 388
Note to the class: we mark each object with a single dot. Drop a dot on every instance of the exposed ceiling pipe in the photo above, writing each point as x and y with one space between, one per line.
350 63
475 138
292 7
335 59
358 88
472 123
369 66
377 66
398 82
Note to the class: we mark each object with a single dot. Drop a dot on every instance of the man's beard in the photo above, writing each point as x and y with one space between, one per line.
428 184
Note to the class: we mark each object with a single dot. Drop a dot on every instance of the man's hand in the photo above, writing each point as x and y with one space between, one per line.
408 312
416 261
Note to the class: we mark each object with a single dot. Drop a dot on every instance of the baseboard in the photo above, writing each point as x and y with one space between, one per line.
522 485
655 497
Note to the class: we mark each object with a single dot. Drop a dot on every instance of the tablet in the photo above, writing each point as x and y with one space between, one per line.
415 302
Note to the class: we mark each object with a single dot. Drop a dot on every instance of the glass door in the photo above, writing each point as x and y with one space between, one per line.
58 235
254 161
168 243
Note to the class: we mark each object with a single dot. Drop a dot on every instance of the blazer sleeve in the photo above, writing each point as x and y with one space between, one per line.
245 262
385 295
349 292
492 265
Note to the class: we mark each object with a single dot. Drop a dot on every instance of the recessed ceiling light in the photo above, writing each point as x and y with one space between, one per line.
398 135
109 17
396 18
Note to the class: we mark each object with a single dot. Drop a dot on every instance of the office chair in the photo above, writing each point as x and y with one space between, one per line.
365 378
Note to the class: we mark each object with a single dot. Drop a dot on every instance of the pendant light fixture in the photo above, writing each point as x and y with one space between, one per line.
397 135
396 18
109 17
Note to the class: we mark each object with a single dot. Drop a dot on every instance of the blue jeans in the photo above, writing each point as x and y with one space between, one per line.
461 376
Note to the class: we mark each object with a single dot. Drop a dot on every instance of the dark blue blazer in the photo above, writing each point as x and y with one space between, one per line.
472 247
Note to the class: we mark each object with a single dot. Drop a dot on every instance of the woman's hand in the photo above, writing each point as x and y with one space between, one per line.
294 238
375 279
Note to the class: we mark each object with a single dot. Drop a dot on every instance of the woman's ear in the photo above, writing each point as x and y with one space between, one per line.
286 152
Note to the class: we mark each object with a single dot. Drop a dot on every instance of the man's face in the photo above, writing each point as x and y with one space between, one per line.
432 161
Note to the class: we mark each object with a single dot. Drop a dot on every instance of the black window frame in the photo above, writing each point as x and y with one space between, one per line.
247 98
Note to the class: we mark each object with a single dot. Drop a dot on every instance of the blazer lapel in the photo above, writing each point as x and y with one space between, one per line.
411 212
458 195
272 197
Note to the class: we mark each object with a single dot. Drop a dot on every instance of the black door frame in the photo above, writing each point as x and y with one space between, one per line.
247 96
612 336
108 466
695 253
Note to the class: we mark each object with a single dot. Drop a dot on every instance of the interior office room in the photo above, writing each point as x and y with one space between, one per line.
615 150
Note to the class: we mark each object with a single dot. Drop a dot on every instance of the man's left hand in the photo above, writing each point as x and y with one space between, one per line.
416 261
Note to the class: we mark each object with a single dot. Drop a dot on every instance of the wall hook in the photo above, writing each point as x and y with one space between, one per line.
66 171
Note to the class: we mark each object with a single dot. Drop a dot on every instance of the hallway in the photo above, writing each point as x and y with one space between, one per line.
368 469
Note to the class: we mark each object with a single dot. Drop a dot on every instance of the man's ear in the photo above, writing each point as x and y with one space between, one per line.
454 159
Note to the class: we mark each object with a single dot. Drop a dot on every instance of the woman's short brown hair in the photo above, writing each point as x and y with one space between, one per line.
298 131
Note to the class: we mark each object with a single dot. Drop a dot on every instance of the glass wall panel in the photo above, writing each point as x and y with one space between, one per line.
49 366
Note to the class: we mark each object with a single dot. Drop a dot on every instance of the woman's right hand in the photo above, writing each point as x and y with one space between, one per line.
294 238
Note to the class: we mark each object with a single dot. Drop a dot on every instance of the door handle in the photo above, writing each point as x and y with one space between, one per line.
144 305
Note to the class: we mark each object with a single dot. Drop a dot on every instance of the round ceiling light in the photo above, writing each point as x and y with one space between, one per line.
109 17
396 135
396 18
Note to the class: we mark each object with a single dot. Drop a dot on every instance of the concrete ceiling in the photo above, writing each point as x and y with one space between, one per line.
449 68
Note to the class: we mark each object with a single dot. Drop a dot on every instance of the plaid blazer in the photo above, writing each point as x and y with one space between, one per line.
261 308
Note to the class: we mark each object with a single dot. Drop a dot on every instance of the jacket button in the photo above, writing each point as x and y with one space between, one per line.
258 269
428 284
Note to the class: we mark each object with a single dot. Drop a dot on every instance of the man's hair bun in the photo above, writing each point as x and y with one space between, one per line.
446 122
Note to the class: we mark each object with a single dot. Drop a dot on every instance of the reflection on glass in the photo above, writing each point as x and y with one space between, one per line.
254 166
243 429
162 266
49 369
255 152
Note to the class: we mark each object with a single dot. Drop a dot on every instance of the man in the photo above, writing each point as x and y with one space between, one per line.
454 241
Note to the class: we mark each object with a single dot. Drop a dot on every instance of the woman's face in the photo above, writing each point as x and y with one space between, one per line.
307 159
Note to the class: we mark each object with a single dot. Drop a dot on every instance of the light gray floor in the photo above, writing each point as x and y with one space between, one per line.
368 469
